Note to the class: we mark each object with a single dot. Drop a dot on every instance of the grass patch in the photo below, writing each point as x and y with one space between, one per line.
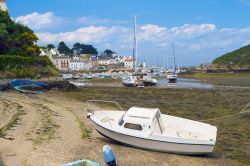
45 128
12 123
105 80
233 134
85 133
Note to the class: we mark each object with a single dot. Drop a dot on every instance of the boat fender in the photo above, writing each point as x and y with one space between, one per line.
109 156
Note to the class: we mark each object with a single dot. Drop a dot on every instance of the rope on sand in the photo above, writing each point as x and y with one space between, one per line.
244 110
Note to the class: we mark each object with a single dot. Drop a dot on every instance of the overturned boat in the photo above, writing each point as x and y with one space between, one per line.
148 128
29 86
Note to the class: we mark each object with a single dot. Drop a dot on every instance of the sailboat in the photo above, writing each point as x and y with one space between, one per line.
131 80
137 77
172 77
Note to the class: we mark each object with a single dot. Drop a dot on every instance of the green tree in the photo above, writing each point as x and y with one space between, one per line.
64 49
84 49
77 48
15 38
51 46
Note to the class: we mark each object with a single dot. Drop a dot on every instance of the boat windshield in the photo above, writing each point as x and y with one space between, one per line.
121 121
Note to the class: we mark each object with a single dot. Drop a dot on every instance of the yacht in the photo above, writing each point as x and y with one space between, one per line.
129 81
148 128
172 77
67 76
145 79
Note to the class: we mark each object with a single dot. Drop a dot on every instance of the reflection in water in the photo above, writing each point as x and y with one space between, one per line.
185 83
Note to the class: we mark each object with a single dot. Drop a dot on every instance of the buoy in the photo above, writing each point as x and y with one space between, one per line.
109 156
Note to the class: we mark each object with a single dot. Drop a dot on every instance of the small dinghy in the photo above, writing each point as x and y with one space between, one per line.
109 156
29 86
148 128
82 163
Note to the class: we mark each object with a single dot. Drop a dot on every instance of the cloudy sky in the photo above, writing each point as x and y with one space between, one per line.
201 30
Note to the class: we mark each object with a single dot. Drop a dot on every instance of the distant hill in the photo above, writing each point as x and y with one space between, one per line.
239 58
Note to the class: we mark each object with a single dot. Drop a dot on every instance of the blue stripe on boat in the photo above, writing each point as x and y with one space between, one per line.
29 86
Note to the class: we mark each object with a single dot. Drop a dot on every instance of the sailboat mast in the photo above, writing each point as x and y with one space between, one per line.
135 46
175 68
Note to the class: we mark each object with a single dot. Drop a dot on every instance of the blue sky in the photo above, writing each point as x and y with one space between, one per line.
201 29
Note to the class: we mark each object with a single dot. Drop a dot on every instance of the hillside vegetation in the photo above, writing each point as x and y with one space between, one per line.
18 66
19 53
239 58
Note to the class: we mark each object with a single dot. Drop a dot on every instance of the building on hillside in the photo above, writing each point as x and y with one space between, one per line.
103 62
93 58
62 62
49 52
78 65
206 66
3 5
128 62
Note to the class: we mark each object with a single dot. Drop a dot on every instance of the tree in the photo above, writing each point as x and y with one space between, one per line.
88 49
64 49
50 46
15 38
84 49
108 52
77 48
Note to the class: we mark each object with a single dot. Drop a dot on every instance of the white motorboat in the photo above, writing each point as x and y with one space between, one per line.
172 77
129 81
148 80
67 76
149 129
76 76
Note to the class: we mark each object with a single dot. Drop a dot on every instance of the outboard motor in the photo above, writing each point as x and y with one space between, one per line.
109 156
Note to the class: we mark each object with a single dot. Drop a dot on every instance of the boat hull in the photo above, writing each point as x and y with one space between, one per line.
29 86
149 83
154 145
173 80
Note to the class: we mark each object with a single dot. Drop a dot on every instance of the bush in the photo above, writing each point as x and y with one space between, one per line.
19 66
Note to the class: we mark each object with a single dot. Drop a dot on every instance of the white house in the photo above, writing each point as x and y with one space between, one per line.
61 62
3 5
49 52
128 62
77 65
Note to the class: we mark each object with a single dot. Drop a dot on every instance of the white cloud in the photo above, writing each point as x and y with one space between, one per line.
91 20
91 34
190 30
151 32
194 43
38 21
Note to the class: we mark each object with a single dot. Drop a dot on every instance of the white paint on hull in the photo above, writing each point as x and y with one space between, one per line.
179 148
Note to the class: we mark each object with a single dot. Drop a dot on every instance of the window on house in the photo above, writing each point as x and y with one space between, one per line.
133 126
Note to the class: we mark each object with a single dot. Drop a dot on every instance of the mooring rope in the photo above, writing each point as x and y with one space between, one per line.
244 110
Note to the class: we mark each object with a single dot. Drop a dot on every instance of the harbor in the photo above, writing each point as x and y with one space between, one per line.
124 83
51 141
